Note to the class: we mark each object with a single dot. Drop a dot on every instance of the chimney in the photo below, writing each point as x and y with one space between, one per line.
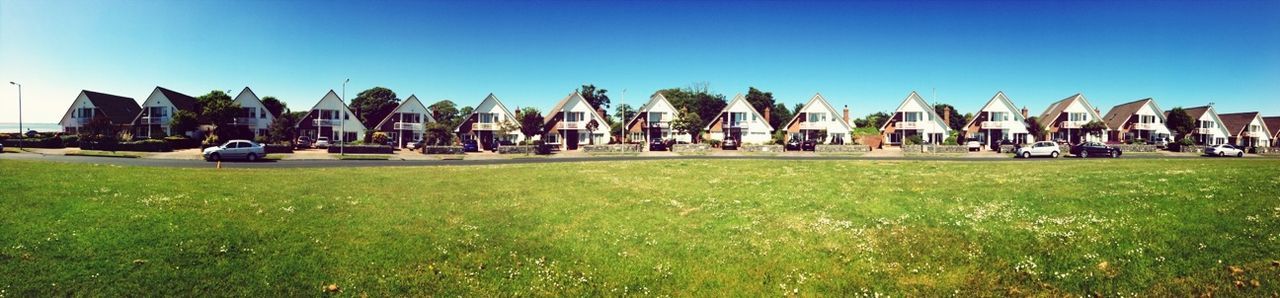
1024 112
766 114
946 115
601 111
1096 111
846 114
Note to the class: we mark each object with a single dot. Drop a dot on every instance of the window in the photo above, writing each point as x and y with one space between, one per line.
1078 116
999 116
817 117
248 112
573 116
1206 124
655 117
410 118
84 113
736 118
1253 128
157 112
488 117
326 114
911 116
1147 119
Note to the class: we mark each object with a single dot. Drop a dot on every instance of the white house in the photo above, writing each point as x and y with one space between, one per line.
999 120
915 117
331 118
254 115
407 123
88 105
740 121
153 119
819 116
1210 130
572 122
484 125
1066 118
1140 119
653 121
1273 123
1247 129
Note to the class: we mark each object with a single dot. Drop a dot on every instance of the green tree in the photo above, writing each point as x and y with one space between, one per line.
780 115
696 99
217 108
624 113
957 119
873 120
463 113
1179 123
1094 127
598 98
284 128
445 112
274 105
687 122
760 100
438 134
99 129
531 122
184 121
374 104
1034 128
591 129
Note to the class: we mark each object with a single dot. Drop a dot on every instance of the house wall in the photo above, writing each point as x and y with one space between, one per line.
156 99
600 135
70 124
1150 110
832 124
352 124
1078 106
247 99
669 113
492 106
1019 128
1216 136
1263 138
757 130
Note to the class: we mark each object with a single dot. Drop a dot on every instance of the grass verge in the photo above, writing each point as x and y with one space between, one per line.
363 157
121 154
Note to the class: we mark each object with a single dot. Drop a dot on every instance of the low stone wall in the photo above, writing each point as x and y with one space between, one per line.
442 150
614 148
1136 148
841 148
522 149
761 148
1008 148
931 149
1192 149
690 148
1262 150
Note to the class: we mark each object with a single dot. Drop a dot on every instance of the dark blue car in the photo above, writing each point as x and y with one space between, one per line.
470 146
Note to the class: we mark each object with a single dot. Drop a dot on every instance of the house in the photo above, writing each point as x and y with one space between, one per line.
1247 129
407 123
1273 123
1065 120
158 109
330 118
1210 129
999 120
817 117
1141 119
740 121
572 123
88 105
915 117
653 122
484 124
254 116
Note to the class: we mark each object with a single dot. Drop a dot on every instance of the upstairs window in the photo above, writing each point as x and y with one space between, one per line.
574 116
1078 116
655 117
999 116
817 117
912 116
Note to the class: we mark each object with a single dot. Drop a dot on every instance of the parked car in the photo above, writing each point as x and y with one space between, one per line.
414 145
809 145
974 145
322 142
1095 149
793 145
995 146
1 148
470 146
1042 148
1224 150
236 149
658 145
729 144
303 142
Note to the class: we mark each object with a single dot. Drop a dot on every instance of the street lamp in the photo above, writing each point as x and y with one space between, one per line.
21 133
343 120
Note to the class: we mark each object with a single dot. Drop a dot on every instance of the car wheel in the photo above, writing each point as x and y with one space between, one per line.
215 157
1084 154
1221 154
1115 154
1054 154
1240 154
1026 155
252 157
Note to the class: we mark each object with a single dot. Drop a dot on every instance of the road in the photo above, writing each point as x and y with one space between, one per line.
176 163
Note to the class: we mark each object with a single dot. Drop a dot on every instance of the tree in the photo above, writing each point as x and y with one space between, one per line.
438 134
874 120
183 121
624 113
596 97
284 128
695 99
957 119
591 129
463 113
218 109
444 111
274 105
779 115
1094 127
374 104
687 122
531 122
760 100
1180 123
1034 128
98 129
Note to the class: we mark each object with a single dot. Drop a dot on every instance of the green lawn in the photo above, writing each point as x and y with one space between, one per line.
680 228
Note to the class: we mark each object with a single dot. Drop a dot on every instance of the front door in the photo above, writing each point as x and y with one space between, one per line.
486 140
571 140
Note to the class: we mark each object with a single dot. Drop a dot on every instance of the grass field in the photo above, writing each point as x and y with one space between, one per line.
679 228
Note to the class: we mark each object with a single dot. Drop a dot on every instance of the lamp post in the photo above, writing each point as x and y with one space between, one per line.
343 119
21 134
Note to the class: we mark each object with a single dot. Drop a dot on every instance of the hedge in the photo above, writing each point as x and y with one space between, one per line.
52 142
442 150
278 148
517 149
363 149
182 143
141 146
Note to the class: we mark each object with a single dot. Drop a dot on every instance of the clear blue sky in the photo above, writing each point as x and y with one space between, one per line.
865 55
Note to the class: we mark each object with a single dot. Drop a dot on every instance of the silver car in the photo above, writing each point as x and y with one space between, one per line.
236 149
1042 148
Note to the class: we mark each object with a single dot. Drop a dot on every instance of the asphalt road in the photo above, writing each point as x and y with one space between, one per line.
400 163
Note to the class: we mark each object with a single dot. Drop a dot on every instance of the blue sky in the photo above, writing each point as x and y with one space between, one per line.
866 55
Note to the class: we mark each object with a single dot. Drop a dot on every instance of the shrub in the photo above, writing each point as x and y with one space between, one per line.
143 146
1187 142
913 140
278 148
181 142
380 138
714 143
50 142
71 141
951 140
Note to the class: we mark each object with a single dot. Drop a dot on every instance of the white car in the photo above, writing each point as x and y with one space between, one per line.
1042 148
245 149
974 145
1224 150
322 142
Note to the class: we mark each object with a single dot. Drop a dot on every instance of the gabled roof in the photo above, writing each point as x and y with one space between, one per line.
1272 123
496 102
119 109
1001 99
413 99
560 105
255 97
1196 112
344 107
819 99
179 100
927 107
653 101
1058 107
1121 113
737 98
1237 122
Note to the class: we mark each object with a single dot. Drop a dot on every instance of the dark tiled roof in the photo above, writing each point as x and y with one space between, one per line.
1272 123
1195 112
1121 113
179 100
119 109
1237 122
1046 119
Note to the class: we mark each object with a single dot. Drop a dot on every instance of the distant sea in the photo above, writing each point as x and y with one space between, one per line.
40 127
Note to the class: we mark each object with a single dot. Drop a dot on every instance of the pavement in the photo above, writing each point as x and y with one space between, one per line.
321 159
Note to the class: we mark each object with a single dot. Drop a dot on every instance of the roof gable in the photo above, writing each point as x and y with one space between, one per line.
409 104
493 101
822 103
1238 122
924 105
1273 124
1051 114
575 97
178 100
247 95
118 109
999 101
737 100
656 101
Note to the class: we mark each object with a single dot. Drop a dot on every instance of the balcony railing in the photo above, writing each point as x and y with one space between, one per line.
1146 126
659 124
996 124
1204 131
572 125
154 120
811 125
906 125
739 124
247 121
484 126
406 126
326 122
1071 124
